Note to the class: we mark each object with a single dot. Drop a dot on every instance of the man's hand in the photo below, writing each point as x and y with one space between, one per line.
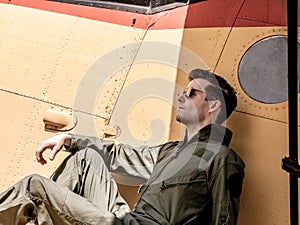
55 144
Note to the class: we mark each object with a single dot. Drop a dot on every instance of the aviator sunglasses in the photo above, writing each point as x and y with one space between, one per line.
190 91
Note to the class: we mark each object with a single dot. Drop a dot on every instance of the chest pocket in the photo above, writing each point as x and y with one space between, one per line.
183 197
195 182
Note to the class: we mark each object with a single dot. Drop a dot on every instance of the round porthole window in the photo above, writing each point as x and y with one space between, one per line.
263 72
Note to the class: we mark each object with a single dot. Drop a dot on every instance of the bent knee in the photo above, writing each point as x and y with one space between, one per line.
36 184
35 178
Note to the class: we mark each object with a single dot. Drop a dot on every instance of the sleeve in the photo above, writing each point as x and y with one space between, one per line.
226 187
119 158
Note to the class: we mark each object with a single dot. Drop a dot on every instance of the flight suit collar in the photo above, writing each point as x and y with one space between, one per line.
212 133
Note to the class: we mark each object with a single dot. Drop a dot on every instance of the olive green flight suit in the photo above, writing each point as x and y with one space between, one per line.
196 182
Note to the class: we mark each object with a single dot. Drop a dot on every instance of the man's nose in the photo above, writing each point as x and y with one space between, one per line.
181 97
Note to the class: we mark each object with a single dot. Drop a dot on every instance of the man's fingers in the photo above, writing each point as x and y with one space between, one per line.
39 153
39 157
54 151
54 143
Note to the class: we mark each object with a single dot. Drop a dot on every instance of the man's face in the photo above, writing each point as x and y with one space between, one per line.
193 109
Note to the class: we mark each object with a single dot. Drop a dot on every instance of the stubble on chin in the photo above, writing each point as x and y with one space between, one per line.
178 119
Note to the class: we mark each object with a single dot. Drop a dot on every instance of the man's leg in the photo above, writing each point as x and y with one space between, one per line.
49 203
85 173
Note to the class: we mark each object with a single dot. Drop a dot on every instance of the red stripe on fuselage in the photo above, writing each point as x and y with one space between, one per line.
210 13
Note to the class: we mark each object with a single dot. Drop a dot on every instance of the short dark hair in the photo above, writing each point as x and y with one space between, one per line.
220 89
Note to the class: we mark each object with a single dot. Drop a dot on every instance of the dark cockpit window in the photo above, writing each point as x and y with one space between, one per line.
138 6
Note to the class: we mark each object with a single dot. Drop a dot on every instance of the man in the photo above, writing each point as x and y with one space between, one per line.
194 181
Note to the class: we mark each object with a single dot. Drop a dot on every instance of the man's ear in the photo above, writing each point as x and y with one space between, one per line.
214 105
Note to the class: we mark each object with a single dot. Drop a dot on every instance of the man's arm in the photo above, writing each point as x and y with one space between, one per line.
121 159
226 187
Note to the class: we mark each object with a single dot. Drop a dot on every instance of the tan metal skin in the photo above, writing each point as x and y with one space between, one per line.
45 58
44 68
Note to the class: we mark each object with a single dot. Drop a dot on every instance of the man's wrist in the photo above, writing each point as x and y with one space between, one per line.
68 140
